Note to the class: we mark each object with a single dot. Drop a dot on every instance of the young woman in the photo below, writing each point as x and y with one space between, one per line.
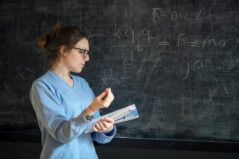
65 104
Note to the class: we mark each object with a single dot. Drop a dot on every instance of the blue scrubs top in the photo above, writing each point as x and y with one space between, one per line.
58 108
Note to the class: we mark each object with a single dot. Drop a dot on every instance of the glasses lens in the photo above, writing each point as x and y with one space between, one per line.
84 52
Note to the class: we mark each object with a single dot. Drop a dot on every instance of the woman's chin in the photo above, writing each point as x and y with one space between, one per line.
77 70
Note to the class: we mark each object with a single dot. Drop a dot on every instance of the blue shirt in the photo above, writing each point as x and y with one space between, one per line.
58 108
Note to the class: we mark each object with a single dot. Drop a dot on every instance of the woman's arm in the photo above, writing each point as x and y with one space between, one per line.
52 116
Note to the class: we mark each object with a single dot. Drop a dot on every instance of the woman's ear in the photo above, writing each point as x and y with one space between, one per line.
63 50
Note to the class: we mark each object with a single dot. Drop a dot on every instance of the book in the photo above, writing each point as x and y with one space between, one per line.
121 115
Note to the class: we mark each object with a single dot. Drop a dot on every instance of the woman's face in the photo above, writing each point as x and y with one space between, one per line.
76 58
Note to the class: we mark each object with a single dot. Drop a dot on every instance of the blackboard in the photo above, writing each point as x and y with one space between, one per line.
177 60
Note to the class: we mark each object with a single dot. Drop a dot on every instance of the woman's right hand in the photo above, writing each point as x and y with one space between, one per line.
103 100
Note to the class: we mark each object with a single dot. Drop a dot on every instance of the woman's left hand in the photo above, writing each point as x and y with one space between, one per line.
104 125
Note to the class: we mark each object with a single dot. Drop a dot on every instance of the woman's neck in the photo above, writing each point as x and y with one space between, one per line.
62 72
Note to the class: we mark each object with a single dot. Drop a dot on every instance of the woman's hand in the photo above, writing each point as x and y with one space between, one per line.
104 125
103 100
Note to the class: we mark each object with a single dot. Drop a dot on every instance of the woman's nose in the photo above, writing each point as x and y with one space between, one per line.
87 58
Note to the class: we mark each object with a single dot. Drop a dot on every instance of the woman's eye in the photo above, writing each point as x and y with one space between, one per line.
82 52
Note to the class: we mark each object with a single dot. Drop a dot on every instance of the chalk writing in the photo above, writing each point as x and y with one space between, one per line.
128 35
161 14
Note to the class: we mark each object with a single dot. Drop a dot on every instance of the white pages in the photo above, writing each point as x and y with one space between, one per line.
119 116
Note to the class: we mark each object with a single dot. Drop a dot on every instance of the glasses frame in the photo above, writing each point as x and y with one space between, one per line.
84 52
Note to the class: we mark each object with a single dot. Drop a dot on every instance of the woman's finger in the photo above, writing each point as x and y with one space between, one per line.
103 94
107 102
95 128
109 96
101 125
110 120
104 123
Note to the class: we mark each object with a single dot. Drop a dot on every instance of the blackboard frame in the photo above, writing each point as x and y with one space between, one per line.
207 146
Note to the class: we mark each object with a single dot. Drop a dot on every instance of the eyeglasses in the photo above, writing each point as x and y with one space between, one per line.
84 52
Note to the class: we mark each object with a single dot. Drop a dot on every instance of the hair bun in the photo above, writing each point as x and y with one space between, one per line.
54 31
44 40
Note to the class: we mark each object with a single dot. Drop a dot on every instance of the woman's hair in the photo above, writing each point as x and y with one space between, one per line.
59 36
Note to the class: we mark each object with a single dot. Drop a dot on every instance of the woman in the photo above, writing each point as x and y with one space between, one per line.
65 104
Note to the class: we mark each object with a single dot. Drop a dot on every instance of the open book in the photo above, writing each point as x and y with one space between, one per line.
119 116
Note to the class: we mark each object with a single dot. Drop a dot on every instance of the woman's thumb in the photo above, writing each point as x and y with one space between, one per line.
103 94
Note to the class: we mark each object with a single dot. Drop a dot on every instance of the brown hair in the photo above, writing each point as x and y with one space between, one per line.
68 36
